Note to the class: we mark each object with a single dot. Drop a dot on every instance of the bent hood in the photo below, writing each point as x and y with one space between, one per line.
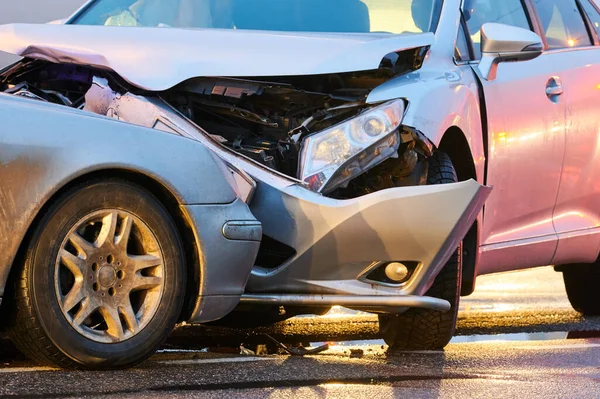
159 58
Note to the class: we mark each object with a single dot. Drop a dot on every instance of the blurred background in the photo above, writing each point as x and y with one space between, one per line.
34 11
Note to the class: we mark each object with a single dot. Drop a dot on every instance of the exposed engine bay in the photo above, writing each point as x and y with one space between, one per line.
316 128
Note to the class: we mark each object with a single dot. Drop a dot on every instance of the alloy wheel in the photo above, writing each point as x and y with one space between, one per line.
109 276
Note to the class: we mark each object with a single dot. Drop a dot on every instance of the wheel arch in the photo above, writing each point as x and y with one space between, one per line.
455 144
165 197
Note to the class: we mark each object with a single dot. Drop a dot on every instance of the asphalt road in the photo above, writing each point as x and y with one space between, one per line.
540 352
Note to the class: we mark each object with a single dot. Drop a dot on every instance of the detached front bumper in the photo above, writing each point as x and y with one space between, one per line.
336 242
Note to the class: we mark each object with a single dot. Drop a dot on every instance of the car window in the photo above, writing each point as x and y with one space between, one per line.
479 12
592 13
563 23
461 52
347 16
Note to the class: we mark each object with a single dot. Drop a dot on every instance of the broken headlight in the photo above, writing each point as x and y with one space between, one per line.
342 152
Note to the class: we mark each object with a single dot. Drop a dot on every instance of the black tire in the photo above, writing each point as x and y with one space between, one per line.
582 282
38 326
423 329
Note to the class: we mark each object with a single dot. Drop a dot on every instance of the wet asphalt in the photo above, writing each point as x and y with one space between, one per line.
528 343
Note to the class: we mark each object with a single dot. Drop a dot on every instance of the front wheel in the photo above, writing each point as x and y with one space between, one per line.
424 329
102 280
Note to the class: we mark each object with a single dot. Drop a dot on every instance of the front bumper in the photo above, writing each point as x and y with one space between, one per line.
227 237
336 241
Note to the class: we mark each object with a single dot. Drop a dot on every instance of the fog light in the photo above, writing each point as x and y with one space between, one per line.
397 271
392 274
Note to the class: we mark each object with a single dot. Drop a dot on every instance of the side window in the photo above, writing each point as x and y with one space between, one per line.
479 12
563 23
461 52
592 13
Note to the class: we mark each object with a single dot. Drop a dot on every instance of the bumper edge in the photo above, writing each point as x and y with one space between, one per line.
379 301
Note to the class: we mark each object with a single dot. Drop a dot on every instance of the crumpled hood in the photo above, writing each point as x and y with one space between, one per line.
159 58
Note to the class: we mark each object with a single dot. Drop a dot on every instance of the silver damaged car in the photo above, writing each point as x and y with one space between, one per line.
242 162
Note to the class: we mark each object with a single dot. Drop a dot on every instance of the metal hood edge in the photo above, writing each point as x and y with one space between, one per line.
157 59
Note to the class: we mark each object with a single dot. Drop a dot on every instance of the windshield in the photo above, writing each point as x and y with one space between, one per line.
349 16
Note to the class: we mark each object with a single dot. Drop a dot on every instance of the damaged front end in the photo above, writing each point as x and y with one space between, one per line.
318 129
337 183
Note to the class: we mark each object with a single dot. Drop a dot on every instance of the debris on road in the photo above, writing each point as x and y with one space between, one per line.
298 351
356 353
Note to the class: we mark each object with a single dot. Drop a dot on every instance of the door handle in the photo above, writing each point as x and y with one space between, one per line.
554 87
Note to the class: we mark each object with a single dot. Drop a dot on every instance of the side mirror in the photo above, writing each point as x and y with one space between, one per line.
505 43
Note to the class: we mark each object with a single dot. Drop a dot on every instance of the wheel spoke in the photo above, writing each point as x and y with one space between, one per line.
74 297
113 322
141 262
75 264
108 230
123 237
130 318
84 247
87 308
145 282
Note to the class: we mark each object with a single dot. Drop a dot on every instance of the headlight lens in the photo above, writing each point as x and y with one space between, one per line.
344 151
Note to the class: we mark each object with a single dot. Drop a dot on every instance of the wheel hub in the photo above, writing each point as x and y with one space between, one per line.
107 276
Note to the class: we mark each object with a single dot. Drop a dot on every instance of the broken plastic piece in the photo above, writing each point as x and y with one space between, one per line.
300 351
246 351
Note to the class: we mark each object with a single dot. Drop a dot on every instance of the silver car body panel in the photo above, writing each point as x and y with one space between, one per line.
216 52
58 145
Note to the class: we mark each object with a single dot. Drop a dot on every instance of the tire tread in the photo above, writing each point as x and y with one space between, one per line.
424 329
26 332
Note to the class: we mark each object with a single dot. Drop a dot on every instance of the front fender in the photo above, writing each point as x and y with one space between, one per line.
440 96
43 147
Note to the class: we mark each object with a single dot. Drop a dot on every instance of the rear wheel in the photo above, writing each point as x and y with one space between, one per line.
102 279
582 282
423 329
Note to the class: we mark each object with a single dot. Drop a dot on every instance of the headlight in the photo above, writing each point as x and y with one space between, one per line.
332 157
